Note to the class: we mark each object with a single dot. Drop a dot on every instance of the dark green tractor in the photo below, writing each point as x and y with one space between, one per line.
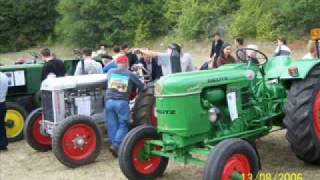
23 94
218 114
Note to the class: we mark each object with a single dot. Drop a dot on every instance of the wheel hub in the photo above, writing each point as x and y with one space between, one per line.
79 142
9 123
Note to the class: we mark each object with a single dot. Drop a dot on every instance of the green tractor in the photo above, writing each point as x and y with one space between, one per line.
24 93
212 118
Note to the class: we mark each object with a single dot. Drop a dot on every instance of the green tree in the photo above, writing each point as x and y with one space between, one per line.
25 23
89 22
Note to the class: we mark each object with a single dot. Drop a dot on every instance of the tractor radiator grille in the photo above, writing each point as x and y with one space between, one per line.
47 105
245 97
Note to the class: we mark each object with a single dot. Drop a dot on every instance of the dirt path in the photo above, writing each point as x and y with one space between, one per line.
22 163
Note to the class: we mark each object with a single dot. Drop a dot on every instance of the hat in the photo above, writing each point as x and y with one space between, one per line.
122 60
253 46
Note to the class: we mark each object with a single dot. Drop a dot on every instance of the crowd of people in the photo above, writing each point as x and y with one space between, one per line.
117 69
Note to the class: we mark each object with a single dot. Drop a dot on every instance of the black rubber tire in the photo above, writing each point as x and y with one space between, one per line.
126 151
22 110
59 132
37 99
143 107
28 129
219 156
299 118
26 102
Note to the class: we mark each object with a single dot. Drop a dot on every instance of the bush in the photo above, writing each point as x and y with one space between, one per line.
25 23
88 23
270 19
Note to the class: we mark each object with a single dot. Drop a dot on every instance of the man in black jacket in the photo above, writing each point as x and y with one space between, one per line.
216 45
133 58
51 65
151 64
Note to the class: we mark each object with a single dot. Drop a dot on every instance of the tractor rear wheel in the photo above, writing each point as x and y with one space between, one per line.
302 118
33 133
144 109
14 121
135 161
232 159
77 141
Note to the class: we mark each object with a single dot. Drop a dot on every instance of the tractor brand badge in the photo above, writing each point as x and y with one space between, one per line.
168 112
217 79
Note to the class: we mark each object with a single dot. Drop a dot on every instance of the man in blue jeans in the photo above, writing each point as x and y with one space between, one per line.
121 82
3 109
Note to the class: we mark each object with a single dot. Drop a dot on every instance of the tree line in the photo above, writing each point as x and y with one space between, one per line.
110 22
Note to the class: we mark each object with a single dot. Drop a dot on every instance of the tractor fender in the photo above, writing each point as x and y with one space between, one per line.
304 67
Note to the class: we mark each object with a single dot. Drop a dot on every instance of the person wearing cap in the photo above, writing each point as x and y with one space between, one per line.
108 62
3 93
225 56
173 61
88 65
252 55
120 84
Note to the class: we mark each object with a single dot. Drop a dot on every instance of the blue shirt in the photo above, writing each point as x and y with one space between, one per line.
108 67
121 82
4 82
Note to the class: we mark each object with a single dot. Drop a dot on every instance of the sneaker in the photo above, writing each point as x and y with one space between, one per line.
114 150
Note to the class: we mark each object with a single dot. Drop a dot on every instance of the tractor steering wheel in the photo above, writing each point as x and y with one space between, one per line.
256 57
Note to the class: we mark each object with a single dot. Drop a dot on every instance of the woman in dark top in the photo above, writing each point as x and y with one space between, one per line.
225 56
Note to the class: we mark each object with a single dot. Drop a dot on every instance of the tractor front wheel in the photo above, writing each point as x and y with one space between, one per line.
135 160
33 133
14 121
232 159
77 141
302 118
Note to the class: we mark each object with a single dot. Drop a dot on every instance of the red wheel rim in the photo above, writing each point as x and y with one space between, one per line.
316 115
79 142
145 165
238 163
154 118
36 132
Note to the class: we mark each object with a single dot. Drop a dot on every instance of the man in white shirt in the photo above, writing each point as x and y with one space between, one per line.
88 65
173 61
3 109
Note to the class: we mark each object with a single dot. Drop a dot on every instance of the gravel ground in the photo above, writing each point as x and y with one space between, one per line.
23 163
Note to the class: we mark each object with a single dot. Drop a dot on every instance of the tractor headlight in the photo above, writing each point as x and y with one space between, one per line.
251 75
158 89
214 114
293 71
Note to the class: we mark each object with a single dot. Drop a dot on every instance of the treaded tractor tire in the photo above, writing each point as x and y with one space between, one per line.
15 121
32 132
230 156
75 129
130 164
143 110
302 117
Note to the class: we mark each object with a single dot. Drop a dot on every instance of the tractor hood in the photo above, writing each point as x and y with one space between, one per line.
72 82
193 82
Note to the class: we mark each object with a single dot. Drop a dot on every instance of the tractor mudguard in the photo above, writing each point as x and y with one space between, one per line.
304 67
277 67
